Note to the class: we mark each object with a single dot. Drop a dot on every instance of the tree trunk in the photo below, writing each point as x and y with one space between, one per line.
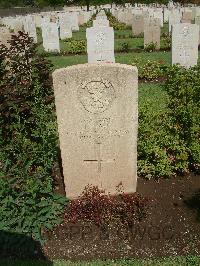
88 5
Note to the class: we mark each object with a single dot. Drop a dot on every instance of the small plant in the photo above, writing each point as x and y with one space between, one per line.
150 47
125 47
151 70
100 208
167 41
76 46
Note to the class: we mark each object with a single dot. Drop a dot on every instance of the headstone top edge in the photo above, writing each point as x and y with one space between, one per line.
99 65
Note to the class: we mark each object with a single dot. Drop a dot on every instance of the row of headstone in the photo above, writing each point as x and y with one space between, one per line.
54 25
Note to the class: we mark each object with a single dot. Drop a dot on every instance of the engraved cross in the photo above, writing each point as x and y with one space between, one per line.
99 161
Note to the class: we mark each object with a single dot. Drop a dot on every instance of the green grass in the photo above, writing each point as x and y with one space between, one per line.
123 58
171 261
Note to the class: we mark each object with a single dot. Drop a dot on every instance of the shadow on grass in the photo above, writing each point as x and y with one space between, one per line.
15 247
194 203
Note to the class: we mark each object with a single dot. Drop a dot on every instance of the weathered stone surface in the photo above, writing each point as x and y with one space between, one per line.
100 44
185 38
96 106
152 32
138 25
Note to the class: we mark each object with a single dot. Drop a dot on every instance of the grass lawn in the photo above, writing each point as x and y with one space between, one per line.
171 261
123 58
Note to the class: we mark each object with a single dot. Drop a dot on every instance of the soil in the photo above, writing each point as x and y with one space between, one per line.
172 226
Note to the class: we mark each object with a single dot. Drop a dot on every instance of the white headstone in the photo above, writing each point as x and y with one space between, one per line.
97 114
100 44
50 37
185 39
29 27
65 26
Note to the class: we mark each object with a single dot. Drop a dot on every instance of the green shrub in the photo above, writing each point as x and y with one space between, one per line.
76 46
151 70
184 99
28 140
125 47
160 153
150 47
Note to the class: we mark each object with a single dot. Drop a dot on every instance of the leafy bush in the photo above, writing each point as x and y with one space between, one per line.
28 140
151 70
76 46
166 41
169 126
125 47
150 47
97 207
184 98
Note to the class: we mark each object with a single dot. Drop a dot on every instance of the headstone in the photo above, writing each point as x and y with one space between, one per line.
74 21
5 36
100 23
96 106
50 37
65 26
138 25
174 18
185 39
30 28
187 17
152 32
100 44
197 22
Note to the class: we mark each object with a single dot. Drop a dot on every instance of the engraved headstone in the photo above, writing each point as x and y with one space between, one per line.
152 32
96 106
50 37
185 38
74 21
138 25
29 27
100 44
65 26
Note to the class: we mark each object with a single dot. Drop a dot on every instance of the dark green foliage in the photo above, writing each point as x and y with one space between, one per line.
169 125
151 70
183 88
125 47
76 46
28 140
150 47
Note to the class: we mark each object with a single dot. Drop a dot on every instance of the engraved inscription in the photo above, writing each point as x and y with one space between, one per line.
96 96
